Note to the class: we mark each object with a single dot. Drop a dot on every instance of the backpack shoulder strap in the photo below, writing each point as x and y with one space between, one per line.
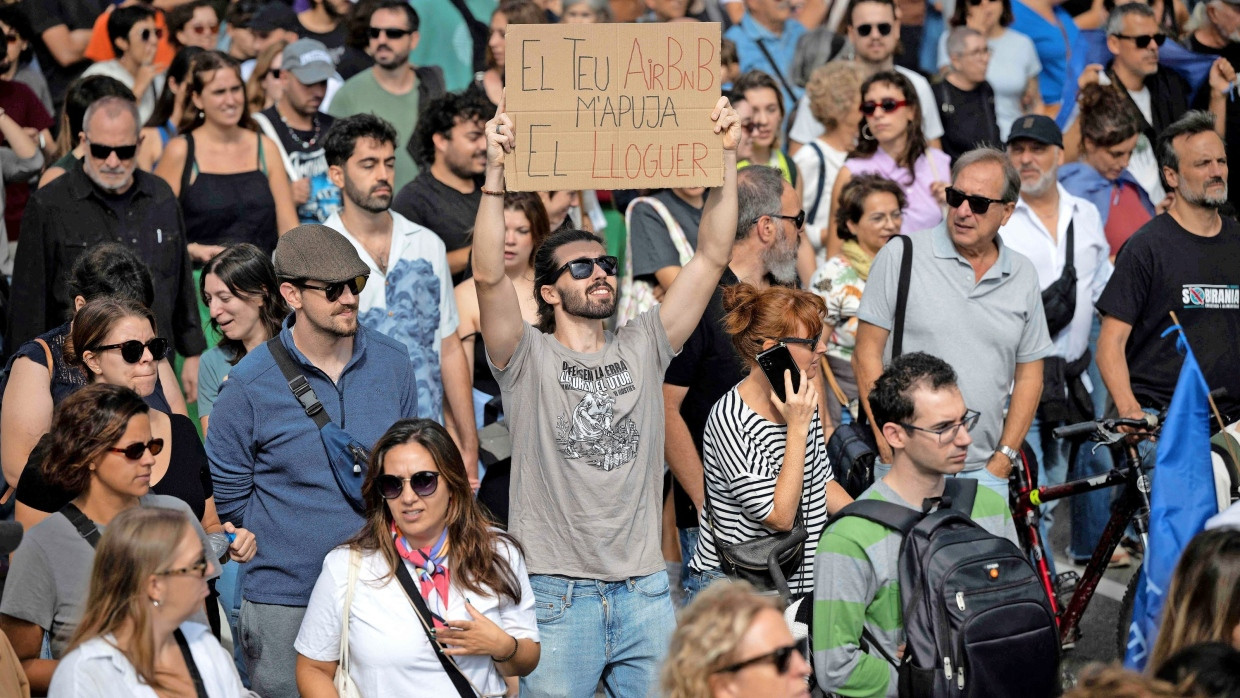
962 490
893 516
906 273
298 383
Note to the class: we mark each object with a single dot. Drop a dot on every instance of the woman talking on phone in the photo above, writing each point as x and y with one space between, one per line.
765 456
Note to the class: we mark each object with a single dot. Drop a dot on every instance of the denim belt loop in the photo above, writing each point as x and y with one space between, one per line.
568 593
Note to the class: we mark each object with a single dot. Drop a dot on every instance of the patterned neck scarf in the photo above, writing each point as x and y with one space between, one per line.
431 567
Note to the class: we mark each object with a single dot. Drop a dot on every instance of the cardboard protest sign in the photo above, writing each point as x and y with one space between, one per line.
613 106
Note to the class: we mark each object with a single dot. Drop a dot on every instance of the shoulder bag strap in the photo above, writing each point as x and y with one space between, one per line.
869 642
85 527
906 272
47 353
298 383
189 165
835 386
1068 262
775 67
355 563
822 179
199 687
462 684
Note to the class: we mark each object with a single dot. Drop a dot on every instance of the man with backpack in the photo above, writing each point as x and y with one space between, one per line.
887 594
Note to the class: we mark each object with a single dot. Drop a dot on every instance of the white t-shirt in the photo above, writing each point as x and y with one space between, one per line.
412 301
806 128
389 653
812 172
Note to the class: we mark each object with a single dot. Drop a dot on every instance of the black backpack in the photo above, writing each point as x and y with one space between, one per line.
976 617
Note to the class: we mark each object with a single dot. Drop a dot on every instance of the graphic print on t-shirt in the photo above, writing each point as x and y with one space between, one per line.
590 431
1211 297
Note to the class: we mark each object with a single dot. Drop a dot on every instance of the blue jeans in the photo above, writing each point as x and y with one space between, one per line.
696 581
593 630
688 546
1090 511
229 586
1053 457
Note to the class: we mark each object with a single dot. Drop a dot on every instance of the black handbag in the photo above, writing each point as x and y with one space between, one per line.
1059 299
757 560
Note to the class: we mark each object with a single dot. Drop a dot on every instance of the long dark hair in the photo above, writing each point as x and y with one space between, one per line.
476 564
545 266
914 142
178 70
86 425
248 273
201 71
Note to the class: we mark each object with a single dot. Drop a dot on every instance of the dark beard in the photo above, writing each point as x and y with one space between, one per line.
366 202
580 304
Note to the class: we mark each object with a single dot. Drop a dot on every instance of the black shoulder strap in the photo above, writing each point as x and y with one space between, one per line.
962 490
298 383
459 681
199 687
893 516
906 272
85 527
187 170
478 33
1068 259
869 642
822 179
775 67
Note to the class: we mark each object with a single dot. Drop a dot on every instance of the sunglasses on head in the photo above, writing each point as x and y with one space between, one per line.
147 34
583 267
100 151
1143 41
134 450
131 351
781 658
422 483
884 28
333 291
888 105
376 32
977 204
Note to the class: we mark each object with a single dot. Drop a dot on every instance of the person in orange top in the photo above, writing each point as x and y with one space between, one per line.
100 47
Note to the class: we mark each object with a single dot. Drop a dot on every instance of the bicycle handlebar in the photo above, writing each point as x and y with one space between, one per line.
1150 421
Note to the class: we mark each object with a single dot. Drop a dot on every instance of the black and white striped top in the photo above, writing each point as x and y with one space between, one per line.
742 453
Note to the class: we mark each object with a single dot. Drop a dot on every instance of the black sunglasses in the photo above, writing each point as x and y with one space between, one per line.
781 656
583 267
376 32
887 104
1143 41
123 152
148 33
978 204
884 28
131 351
134 450
333 291
797 220
422 483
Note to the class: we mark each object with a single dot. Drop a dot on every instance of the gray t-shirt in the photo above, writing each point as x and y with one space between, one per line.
982 328
213 370
50 575
650 239
587 451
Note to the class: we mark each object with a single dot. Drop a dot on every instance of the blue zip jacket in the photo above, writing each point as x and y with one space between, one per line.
269 465
1084 181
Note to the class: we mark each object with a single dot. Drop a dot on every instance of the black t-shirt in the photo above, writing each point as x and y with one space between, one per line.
1164 268
446 211
333 40
1232 53
188 477
74 15
308 160
968 117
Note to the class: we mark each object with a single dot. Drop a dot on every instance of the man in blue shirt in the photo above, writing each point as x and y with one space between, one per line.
268 461
767 25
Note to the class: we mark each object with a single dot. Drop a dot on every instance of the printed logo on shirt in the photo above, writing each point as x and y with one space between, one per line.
590 432
1211 296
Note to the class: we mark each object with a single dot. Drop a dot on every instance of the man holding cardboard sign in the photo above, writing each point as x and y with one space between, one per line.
585 414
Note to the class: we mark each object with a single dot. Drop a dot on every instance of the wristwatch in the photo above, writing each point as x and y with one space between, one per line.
1011 453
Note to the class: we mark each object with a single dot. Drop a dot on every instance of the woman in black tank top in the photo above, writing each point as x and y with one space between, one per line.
223 204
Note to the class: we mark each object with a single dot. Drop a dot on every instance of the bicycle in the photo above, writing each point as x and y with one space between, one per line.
1132 506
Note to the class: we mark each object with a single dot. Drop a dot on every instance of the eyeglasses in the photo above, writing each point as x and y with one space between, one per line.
198 569
797 220
1143 41
147 34
13 37
134 450
422 483
131 351
583 267
781 657
333 291
948 433
884 28
888 105
376 32
201 29
977 52
100 151
977 204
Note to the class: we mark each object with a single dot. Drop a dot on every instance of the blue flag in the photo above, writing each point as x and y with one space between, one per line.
1180 503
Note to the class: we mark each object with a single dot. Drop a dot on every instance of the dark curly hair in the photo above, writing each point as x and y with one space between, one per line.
852 200
441 115
892 398
86 425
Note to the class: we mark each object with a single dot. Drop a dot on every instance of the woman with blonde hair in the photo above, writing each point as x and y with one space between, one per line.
1203 600
732 642
137 636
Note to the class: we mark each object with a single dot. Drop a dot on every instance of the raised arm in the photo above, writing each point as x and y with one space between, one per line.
686 298
498 308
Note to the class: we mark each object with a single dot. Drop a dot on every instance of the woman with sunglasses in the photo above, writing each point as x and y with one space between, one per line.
424 527
765 459
161 126
103 453
138 636
733 642
264 86
135 38
893 145
229 178
1014 64
194 23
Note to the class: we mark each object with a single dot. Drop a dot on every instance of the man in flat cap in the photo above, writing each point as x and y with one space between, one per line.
269 463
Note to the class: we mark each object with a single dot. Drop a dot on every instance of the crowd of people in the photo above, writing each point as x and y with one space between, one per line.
300 400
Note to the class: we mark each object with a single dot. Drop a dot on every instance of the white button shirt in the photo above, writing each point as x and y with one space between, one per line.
1026 234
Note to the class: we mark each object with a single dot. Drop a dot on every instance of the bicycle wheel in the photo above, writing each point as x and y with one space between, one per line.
1125 613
